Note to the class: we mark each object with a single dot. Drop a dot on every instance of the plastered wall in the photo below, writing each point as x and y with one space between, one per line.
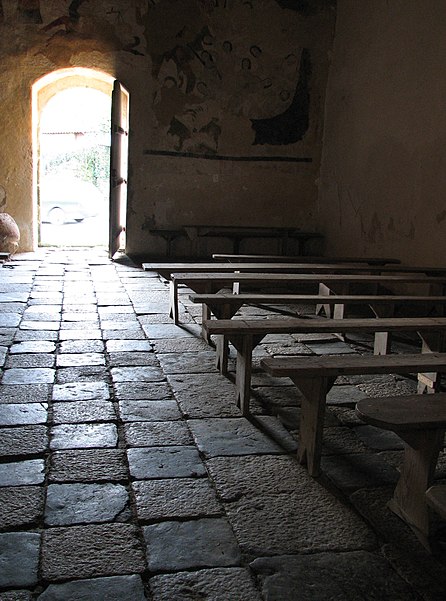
383 175
226 105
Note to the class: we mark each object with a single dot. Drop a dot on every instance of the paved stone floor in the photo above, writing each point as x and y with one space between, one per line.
128 473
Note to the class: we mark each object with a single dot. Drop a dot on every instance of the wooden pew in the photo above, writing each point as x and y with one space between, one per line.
314 376
165 269
420 421
238 233
211 282
245 335
224 305
304 259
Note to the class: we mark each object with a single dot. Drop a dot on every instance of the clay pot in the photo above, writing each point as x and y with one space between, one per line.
9 234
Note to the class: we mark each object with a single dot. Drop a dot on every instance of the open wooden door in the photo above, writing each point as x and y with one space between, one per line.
118 167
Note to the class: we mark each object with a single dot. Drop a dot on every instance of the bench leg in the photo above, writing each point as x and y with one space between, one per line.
430 382
312 415
383 340
226 311
243 372
222 354
173 300
409 499
325 291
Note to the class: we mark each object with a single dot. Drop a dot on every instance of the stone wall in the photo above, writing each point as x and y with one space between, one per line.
383 173
226 105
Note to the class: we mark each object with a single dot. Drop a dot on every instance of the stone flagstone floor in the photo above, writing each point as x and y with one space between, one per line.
127 472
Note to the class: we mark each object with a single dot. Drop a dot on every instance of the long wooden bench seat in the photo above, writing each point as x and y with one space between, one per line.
238 233
304 259
314 376
420 421
224 305
211 282
245 335
165 269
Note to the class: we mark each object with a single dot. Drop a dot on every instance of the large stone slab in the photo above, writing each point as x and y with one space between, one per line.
81 436
88 465
19 558
352 576
109 588
36 346
21 506
30 471
236 477
215 584
85 374
188 363
152 434
129 346
144 391
71 412
137 374
90 551
80 391
128 358
308 520
180 345
16 414
140 411
170 330
84 503
23 440
28 360
378 439
345 395
231 436
175 498
202 395
206 542
31 375
364 470
81 346
165 462
79 359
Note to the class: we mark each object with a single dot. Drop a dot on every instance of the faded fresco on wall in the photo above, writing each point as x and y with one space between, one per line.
230 77
223 71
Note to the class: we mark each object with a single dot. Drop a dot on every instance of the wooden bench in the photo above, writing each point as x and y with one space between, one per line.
420 421
238 233
304 259
211 282
314 376
224 305
245 335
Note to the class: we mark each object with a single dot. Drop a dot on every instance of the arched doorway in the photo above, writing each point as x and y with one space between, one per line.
72 134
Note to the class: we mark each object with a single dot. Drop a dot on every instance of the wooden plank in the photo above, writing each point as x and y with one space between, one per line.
305 259
166 269
402 413
220 278
336 365
321 325
256 330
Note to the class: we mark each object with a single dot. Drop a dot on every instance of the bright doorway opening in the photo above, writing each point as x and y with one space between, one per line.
80 148
74 168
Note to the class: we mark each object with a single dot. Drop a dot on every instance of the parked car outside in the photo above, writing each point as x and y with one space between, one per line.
66 198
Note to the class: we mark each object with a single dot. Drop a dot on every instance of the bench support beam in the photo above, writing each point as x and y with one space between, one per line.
409 499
